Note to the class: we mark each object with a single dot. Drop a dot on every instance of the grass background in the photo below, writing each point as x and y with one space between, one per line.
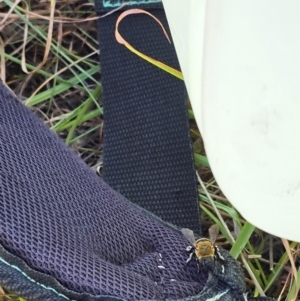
49 58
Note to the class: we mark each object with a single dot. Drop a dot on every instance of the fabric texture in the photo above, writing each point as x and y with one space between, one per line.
66 235
60 219
109 5
148 156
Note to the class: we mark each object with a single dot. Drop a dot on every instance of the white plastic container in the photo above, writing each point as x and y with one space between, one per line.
241 64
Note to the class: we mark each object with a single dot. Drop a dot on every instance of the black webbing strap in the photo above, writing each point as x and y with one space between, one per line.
147 150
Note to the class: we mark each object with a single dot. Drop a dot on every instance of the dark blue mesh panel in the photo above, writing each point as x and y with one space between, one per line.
64 221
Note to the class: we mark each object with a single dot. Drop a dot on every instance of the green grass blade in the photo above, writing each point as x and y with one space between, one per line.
278 268
85 134
191 114
60 88
293 288
88 116
216 220
227 209
82 112
201 160
242 240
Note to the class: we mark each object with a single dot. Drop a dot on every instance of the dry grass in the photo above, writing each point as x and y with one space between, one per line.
49 59
51 62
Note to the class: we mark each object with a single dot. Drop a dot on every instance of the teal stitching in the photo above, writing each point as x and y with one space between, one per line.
32 280
107 3
218 296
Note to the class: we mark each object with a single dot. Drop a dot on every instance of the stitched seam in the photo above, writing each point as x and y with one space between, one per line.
108 3
218 296
32 280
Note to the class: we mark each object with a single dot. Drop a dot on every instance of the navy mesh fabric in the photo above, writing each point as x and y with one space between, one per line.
66 235
64 221
147 150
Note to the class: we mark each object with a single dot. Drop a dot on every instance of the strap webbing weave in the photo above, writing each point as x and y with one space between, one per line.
147 150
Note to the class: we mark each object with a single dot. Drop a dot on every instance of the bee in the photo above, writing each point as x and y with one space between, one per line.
218 261
203 248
